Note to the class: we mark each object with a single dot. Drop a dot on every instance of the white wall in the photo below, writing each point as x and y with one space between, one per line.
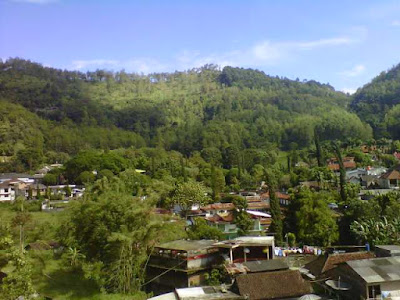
9 196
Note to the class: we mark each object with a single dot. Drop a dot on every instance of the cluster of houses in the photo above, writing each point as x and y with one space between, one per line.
372 180
221 214
13 185
249 269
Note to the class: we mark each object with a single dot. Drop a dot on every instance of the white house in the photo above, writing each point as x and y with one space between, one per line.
7 191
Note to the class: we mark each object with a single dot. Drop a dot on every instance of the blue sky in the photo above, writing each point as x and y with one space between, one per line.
345 43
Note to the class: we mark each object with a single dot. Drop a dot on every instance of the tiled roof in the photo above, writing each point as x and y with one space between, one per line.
393 174
272 285
221 218
230 206
258 205
219 206
346 164
325 263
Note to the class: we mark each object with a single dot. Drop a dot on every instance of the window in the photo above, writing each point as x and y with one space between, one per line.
5 190
374 291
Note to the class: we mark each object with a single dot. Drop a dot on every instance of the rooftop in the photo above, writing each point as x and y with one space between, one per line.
327 262
246 241
14 175
376 270
257 266
392 248
187 245
272 285
206 293
391 175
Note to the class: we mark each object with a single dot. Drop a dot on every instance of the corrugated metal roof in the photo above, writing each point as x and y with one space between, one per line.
377 270
187 245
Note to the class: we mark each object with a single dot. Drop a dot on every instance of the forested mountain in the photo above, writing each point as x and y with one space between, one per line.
203 109
378 103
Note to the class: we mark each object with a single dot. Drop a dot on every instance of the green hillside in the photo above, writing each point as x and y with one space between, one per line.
184 111
378 103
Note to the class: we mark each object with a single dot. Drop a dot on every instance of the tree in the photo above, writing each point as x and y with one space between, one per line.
217 182
86 177
74 257
276 226
314 221
188 194
318 150
342 170
241 218
50 179
21 219
67 191
378 232
31 158
18 282
200 230
114 229
30 193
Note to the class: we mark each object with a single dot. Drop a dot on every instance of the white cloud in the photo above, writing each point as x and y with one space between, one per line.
324 43
84 64
349 90
138 65
35 1
396 23
261 54
267 51
354 72
144 65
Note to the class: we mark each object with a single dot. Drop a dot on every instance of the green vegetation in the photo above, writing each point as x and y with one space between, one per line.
143 142
216 112
377 103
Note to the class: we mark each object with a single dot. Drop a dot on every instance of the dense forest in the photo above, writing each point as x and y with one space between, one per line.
378 103
203 109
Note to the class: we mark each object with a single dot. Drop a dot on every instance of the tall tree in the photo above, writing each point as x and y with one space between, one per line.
318 150
277 225
314 221
342 171
240 216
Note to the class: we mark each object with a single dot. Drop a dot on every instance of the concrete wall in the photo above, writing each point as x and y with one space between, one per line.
390 286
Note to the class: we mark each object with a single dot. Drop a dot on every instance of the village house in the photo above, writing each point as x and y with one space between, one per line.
348 163
14 176
323 265
186 263
391 179
375 278
181 263
7 191
225 223
34 188
12 188
396 155
247 248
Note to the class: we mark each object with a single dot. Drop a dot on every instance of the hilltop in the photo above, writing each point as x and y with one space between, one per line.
184 111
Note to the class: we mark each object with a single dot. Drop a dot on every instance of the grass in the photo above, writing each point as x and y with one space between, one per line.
52 279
